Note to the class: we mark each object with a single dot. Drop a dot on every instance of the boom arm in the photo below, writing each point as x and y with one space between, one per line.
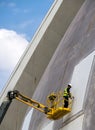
26 100
20 97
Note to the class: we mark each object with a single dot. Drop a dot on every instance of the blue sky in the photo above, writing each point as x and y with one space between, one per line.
19 20
23 16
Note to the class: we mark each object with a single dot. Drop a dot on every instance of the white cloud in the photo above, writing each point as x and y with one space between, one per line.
26 10
26 23
11 4
7 4
12 47
17 10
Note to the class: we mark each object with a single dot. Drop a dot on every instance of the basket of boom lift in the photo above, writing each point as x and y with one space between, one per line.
56 103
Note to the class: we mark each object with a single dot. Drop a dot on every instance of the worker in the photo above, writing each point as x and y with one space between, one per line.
67 95
51 98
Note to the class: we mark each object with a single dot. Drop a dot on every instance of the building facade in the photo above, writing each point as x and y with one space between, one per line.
62 52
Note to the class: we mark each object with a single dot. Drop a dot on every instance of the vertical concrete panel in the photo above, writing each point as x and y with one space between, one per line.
79 82
89 110
74 125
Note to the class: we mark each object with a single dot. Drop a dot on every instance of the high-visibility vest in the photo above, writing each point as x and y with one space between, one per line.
65 92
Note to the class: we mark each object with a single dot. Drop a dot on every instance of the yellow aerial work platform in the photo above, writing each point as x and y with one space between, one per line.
58 113
57 106
54 108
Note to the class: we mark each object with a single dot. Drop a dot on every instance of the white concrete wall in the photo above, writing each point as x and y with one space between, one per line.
74 125
81 35
49 126
79 82
27 120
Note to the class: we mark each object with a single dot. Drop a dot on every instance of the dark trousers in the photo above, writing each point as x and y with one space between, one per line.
66 101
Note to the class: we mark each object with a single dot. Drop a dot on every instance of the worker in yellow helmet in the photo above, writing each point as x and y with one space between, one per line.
67 95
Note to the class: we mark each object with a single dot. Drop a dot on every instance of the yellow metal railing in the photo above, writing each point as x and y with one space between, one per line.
59 101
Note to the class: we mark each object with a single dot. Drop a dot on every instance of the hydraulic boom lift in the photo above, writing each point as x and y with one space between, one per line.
52 112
